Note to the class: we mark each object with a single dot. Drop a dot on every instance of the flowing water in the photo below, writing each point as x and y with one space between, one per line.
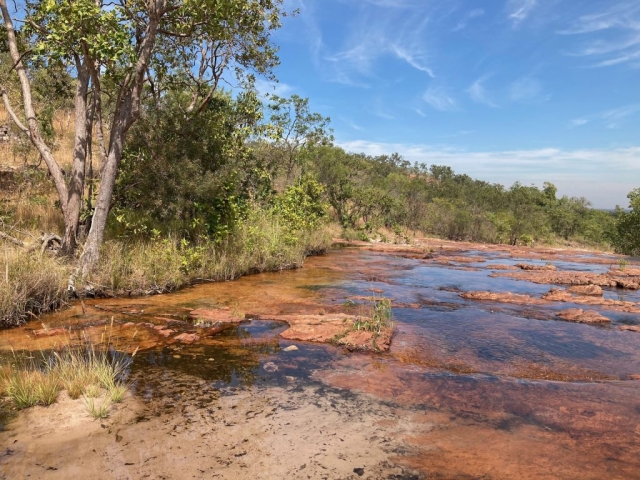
477 389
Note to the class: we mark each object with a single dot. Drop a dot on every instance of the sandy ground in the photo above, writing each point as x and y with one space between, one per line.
194 431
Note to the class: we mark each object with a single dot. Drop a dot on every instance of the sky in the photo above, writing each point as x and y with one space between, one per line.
502 90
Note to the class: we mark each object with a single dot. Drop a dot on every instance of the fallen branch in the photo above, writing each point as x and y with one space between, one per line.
13 240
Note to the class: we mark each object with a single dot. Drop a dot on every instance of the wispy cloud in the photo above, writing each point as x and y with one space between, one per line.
519 10
380 30
527 89
440 99
609 118
470 15
478 92
601 175
266 88
419 112
610 37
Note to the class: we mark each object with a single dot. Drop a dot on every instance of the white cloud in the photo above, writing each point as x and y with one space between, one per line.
527 89
610 37
462 24
440 99
602 176
479 93
280 89
519 10
609 118
379 31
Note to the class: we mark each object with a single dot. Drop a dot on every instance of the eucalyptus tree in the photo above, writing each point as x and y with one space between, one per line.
133 49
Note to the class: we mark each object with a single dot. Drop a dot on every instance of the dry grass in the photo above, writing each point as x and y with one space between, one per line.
82 371
29 284
163 265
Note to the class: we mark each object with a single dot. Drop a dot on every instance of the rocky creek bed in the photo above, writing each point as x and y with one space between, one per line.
503 362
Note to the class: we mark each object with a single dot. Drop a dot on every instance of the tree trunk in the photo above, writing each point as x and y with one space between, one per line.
91 253
76 182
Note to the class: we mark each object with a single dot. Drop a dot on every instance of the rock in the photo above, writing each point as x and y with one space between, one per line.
582 316
503 297
631 328
588 290
187 338
49 332
291 348
527 266
270 367
627 284
218 315
165 332
635 376
499 266
129 325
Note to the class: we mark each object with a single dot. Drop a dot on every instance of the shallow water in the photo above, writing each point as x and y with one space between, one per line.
492 390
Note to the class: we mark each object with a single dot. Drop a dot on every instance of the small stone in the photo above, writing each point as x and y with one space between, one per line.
210 359
358 471
177 356
270 367
291 348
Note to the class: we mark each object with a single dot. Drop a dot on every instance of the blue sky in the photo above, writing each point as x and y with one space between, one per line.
503 90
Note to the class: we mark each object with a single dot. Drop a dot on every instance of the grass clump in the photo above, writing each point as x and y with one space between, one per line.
30 284
30 387
80 371
379 317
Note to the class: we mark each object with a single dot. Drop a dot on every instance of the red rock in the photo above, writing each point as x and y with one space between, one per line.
187 338
129 325
635 376
627 284
49 332
527 266
218 315
631 328
503 297
582 316
166 332
500 267
589 290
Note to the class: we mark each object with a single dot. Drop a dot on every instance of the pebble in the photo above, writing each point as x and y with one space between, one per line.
291 348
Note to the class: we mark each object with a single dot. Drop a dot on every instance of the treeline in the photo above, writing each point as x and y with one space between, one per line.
200 177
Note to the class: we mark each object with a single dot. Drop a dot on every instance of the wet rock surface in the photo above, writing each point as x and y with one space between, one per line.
482 377
582 316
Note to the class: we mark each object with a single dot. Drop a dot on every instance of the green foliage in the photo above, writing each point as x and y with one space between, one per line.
293 129
189 175
626 235
301 208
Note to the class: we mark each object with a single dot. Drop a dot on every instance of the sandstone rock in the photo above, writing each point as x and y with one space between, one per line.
589 290
187 338
49 332
634 377
218 315
527 266
291 348
627 284
582 316
631 328
503 297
